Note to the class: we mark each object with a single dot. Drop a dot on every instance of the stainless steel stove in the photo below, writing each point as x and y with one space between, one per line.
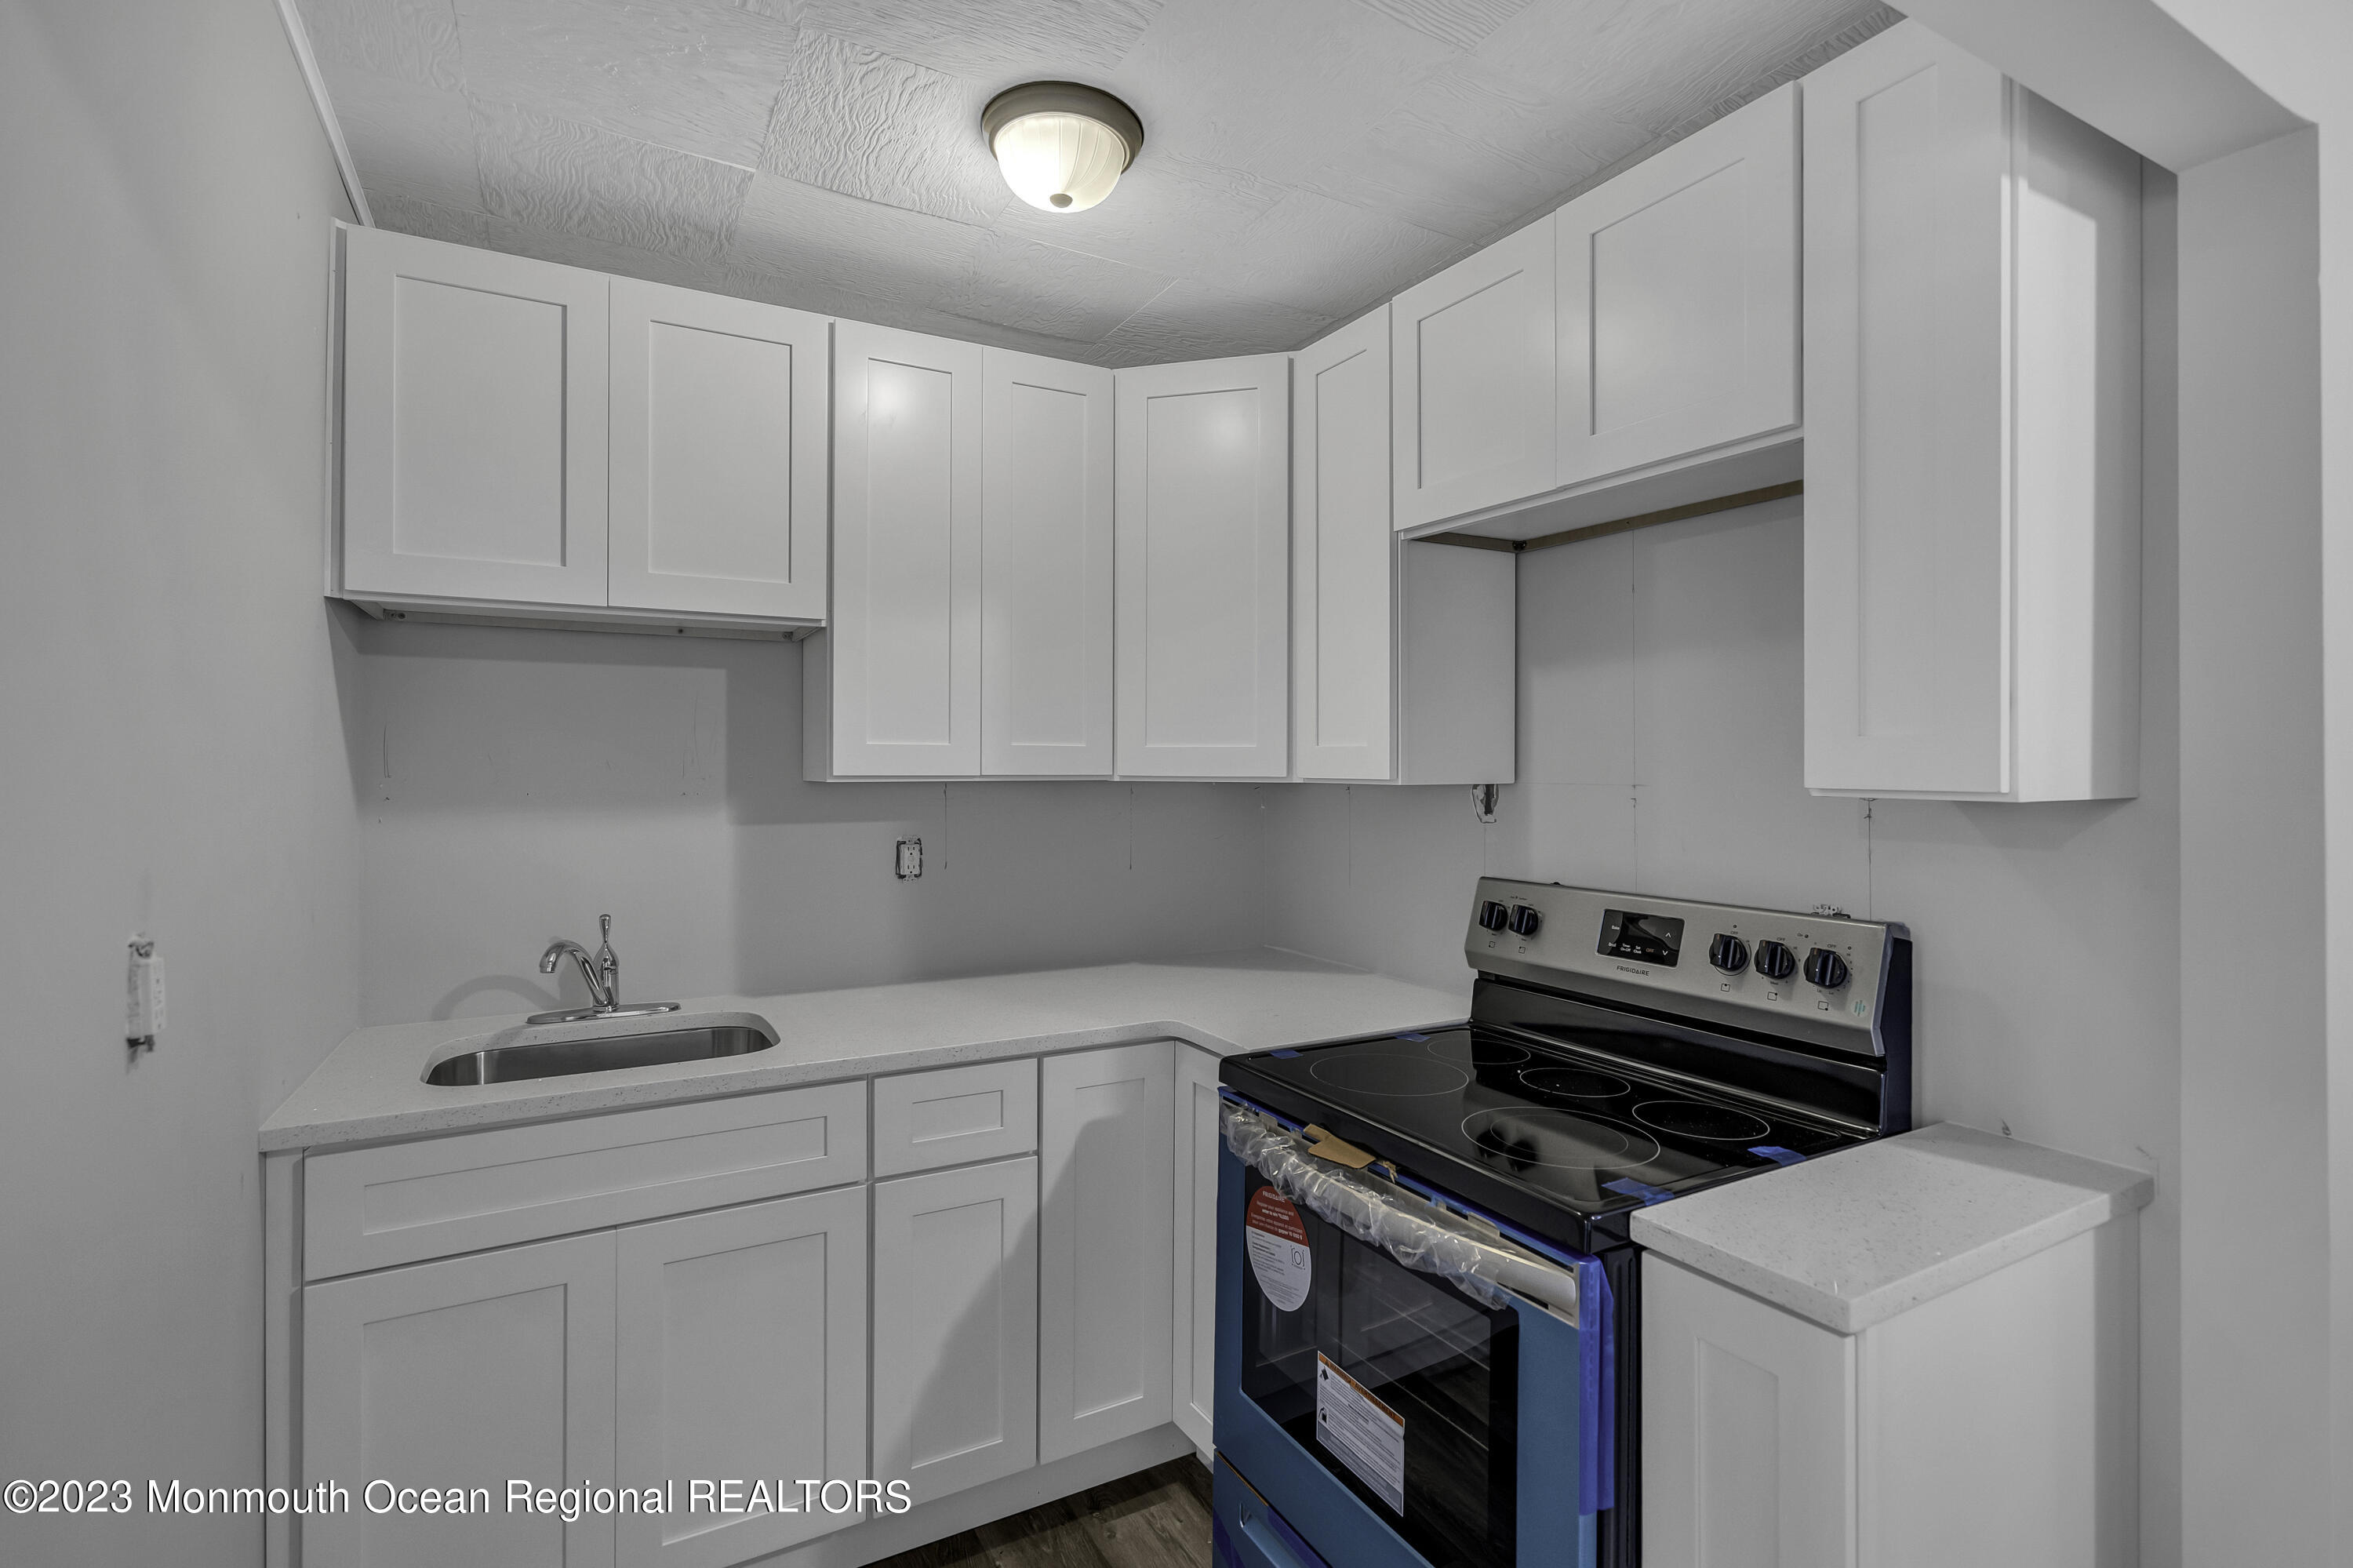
1622 1051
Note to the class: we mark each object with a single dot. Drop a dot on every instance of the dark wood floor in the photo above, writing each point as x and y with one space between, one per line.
1154 1518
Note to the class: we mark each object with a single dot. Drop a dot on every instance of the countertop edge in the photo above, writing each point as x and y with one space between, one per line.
1852 1314
632 1093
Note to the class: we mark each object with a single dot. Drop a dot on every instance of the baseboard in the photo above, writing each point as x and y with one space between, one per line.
893 1533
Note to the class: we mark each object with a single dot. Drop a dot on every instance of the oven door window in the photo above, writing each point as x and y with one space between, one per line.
1374 1345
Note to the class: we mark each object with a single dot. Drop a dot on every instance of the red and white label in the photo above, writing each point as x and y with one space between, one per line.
1279 1254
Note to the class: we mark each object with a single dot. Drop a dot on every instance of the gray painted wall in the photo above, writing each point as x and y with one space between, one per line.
171 756
1660 750
517 783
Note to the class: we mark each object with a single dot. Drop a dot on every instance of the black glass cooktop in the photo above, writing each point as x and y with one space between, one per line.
1587 1132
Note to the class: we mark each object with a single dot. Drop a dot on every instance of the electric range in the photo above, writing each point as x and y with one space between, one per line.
1620 1050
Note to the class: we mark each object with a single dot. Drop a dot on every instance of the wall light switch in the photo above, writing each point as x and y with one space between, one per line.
143 1002
911 858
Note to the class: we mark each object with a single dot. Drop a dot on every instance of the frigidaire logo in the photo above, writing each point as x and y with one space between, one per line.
1631 970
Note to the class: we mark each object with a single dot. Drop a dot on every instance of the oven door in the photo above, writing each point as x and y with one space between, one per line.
1390 1418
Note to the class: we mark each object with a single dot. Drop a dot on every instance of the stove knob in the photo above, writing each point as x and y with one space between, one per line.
1728 953
1826 969
1493 916
1525 918
1775 962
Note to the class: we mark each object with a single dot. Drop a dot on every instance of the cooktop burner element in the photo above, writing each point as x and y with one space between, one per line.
1563 1140
1574 1083
1690 1118
1452 1046
1388 1076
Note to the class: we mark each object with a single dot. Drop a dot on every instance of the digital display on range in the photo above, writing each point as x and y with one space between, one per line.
1646 938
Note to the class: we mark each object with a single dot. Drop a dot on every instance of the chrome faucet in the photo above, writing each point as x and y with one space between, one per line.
603 975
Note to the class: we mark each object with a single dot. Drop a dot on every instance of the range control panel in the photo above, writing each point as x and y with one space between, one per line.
1824 978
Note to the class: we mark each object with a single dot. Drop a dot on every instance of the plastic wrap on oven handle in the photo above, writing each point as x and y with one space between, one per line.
1425 1238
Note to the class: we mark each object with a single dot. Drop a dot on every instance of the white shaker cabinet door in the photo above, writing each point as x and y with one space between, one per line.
741 1353
1972 409
462 1372
1204 537
718 500
1194 1210
1679 297
1104 1309
955 1326
1749 1423
1046 567
474 406
897 681
1476 352
1342 599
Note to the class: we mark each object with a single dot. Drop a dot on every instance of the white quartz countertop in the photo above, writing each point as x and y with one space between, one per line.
371 1085
1856 1237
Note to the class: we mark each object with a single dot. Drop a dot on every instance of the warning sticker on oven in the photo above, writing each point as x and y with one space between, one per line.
1361 1432
1279 1254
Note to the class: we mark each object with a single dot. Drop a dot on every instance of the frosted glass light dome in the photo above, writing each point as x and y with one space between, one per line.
1060 145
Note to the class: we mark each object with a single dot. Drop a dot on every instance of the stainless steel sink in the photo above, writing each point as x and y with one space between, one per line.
600 1054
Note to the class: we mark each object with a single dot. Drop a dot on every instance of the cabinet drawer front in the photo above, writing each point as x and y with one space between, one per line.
925 1121
370 1208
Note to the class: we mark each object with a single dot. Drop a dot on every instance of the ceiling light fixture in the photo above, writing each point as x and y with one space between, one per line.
1060 144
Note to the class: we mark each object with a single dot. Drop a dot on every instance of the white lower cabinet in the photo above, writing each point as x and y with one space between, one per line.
955 1326
463 1373
1748 1429
741 1353
1104 1269
1193 1209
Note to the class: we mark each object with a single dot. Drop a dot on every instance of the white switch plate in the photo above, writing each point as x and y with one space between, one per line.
142 1018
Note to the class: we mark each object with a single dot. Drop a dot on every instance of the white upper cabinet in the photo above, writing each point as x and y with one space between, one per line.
1678 289
1972 308
474 396
892 690
1204 501
1046 567
1402 654
718 453
1476 351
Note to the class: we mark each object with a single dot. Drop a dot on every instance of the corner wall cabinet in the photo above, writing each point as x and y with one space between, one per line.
1204 542
1403 656
1973 330
891 688
525 442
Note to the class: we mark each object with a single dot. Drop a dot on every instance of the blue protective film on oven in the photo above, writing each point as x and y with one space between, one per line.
1558 1432
1286 1055
1413 1037
1633 1189
1777 1154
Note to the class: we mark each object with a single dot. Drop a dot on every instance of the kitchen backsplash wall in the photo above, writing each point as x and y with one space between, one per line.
514 784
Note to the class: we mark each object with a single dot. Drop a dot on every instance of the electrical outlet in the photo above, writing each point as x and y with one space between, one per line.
909 861
142 1017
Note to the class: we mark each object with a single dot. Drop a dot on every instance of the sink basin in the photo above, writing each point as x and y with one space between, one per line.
599 1053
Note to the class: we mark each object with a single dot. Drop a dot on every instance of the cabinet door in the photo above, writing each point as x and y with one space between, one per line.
1748 1429
955 1326
1204 544
1475 359
1907 588
1193 1212
473 423
1342 554
1104 1310
742 1353
903 647
1046 567
462 1372
1679 297
718 454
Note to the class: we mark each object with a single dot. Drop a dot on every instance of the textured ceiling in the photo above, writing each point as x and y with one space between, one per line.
1303 159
